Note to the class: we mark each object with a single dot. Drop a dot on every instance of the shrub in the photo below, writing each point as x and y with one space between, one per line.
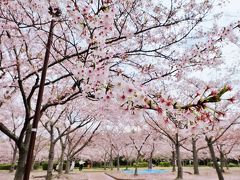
232 165
210 164
36 166
164 164
5 166
141 164
45 165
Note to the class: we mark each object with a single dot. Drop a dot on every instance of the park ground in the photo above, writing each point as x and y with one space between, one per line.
206 173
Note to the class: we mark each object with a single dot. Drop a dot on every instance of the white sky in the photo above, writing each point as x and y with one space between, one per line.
232 10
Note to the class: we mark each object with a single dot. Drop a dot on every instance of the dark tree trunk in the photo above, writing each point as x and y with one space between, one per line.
150 163
226 163
173 161
179 163
127 164
67 170
222 161
105 164
13 158
118 162
21 164
60 167
214 159
111 160
50 159
34 157
136 166
195 157
23 150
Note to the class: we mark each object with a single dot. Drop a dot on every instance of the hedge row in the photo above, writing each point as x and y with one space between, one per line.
141 164
229 165
164 164
5 166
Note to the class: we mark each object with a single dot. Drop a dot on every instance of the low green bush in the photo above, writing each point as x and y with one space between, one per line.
141 164
5 166
232 165
210 164
45 165
164 164
37 165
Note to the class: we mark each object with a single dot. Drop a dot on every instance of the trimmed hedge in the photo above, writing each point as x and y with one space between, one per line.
229 165
5 166
141 164
210 164
164 164
45 165
232 165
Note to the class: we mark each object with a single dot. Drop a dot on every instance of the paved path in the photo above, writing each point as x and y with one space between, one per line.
98 176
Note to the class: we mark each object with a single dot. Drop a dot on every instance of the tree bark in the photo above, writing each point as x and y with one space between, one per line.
21 164
150 163
104 164
214 159
34 157
60 170
13 158
67 170
111 160
226 162
221 161
221 158
173 161
195 157
136 167
179 163
118 162
23 150
50 159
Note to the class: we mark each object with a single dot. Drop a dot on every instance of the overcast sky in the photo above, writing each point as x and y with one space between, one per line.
232 9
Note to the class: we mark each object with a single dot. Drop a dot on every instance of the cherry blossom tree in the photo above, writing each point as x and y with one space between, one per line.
196 144
80 138
226 145
139 143
108 51
174 134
